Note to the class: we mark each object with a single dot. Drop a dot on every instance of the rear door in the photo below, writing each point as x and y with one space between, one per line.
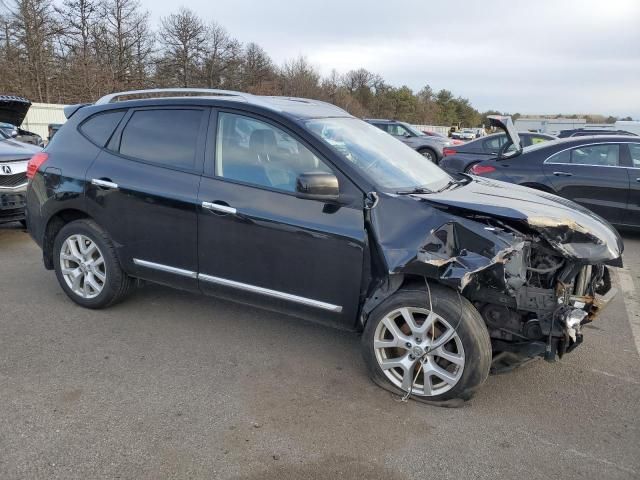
592 175
143 189
259 243
632 215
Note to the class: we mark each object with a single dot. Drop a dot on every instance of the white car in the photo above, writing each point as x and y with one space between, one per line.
467 134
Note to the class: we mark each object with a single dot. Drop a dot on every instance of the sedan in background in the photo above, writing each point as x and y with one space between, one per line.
461 158
601 173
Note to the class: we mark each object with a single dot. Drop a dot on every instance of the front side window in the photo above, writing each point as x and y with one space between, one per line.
398 130
256 152
390 164
165 137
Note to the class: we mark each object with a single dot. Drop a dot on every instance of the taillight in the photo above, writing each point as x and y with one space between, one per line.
35 163
448 151
478 169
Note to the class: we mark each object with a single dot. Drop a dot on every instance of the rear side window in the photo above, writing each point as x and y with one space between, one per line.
494 144
165 137
99 128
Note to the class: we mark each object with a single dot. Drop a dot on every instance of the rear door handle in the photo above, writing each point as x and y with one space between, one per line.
563 174
637 179
217 207
104 184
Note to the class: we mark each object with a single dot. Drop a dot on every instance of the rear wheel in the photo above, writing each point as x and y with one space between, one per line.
86 265
438 356
429 154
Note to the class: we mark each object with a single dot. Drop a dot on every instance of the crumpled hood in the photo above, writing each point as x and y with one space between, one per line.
570 228
13 109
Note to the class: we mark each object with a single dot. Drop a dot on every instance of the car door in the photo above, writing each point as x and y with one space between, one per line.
143 189
401 133
259 243
632 215
593 176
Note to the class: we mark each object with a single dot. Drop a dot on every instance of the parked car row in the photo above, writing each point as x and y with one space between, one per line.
297 206
429 146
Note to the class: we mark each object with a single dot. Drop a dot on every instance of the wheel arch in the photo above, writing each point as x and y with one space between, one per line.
390 285
54 225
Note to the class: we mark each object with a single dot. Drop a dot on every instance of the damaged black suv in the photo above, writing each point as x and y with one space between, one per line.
296 206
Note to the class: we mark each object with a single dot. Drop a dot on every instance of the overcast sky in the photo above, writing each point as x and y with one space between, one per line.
542 56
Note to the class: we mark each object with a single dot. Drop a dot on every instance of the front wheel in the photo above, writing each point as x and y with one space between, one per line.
437 355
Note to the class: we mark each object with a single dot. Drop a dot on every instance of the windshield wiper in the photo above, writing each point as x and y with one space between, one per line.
416 190
463 181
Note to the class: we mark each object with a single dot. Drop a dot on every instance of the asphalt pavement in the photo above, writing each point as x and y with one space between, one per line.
174 385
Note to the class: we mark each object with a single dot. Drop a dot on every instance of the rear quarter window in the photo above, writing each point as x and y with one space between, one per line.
164 137
101 126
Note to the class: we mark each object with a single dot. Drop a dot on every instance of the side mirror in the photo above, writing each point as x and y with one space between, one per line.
317 186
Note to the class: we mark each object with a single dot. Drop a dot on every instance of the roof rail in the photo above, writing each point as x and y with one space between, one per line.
179 92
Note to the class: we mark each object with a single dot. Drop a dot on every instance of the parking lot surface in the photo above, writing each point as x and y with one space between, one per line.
173 385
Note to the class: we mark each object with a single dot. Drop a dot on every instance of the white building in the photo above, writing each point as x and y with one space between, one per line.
552 126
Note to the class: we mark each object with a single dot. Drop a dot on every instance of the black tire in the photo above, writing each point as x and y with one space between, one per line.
117 283
23 223
429 154
461 315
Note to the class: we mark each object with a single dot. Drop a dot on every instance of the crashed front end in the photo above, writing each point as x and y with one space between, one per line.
536 279
534 299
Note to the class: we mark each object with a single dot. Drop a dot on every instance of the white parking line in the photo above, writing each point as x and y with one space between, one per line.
631 303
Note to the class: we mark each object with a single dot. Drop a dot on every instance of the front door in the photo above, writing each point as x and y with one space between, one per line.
259 243
592 175
143 190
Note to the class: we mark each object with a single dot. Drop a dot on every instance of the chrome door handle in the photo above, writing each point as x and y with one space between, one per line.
563 174
637 179
219 208
104 184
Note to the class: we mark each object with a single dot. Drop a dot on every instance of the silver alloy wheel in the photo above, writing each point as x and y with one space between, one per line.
427 154
82 266
409 338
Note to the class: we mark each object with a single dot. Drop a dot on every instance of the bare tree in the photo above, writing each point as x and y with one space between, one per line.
117 40
35 28
182 36
300 79
222 58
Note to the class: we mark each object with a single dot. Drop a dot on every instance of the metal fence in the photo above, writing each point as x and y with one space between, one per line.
40 115
434 128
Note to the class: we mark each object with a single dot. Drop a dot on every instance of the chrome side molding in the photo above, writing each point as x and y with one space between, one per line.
239 285
270 293
165 268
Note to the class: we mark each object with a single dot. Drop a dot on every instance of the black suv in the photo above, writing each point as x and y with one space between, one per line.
297 206
429 146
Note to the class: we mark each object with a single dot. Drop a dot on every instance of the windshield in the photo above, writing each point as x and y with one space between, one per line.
387 162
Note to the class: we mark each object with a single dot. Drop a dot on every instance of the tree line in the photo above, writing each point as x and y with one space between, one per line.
73 51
